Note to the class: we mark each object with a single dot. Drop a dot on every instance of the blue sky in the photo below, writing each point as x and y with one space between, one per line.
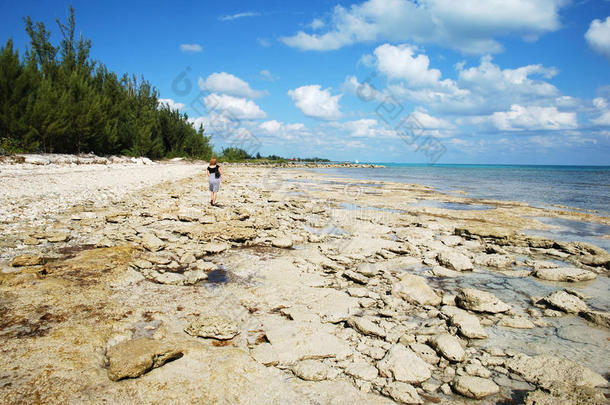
474 81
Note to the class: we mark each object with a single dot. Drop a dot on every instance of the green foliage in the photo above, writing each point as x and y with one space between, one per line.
56 99
234 154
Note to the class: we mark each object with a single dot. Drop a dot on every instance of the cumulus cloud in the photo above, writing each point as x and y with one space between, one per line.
235 107
603 109
228 84
532 118
231 17
173 105
194 48
315 102
275 128
598 36
399 62
267 75
470 26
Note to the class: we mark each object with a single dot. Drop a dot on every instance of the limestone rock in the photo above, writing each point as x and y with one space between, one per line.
194 276
544 370
164 278
362 370
425 352
265 354
404 365
480 301
440 271
517 322
356 277
214 248
475 387
414 289
565 302
403 393
477 370
468 324
449 347
454 260
213 326
366 326
55 237
282 242
310 370
27 260
570 274
151 242
133 358
597 317
368 269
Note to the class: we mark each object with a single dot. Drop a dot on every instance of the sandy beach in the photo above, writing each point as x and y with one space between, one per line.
119 283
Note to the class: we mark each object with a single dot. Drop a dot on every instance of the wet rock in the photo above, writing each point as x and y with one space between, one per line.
565 302
454 260
282 242
544 370
414 289
362 370
403 393
27 260
404 365
475 387
214 248
440 271
468 324
449 347
133 358
477 370
366 326
566 396
480 301
517 322
265 354
597 317
213 326
151 242
569 274
310 370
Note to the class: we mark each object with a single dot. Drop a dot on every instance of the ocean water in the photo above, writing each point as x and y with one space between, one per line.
582 187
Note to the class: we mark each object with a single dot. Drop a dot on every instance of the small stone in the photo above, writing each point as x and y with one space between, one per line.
425 352
404 365
133 358
566 274
356 277
366 326
362 370
403 393
214 248
454 260
446 389
517 322
477 370
449 347
151 242
480 301
57 237
467 323
565 302
368 269
284 243
440 271
27 260
475 387
415 290
213 326
310 370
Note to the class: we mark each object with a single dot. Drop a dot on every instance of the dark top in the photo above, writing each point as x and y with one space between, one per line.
214 170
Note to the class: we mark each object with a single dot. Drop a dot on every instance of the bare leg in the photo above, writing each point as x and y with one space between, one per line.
213 198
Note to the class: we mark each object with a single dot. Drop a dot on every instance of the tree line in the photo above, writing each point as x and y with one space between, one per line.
56 99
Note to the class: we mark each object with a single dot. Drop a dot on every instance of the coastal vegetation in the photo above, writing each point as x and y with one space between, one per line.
56 98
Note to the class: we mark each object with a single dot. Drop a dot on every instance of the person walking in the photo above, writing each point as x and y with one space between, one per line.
214 178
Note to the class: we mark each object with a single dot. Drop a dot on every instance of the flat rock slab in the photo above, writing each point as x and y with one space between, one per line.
133 358
568 274
467 323
366 326
454 260
544 370
310 370
216 327
151 242
415 290
403 393
565 302
449 347
404 365
214 248
475 387
27 260
294 341
480 301
284 243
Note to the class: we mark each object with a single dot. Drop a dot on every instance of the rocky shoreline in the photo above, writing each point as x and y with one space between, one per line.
120 283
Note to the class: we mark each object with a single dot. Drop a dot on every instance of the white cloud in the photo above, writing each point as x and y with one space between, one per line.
231 17
399 62
284 131
316 24
228 84
427 121
191 48
604 112
316 103
532 118
235 107
467 25
267 75
264 42
598 36
173 105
